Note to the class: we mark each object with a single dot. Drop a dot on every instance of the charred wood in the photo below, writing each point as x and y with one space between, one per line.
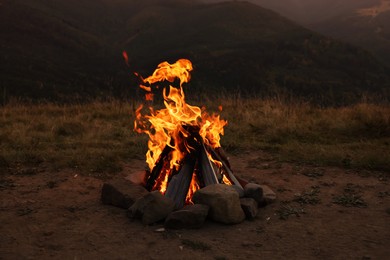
151 181
178 186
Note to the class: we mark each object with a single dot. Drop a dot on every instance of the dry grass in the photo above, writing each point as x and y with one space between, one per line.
356 136
93 137
97 137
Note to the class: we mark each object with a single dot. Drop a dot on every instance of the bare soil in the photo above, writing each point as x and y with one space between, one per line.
320 213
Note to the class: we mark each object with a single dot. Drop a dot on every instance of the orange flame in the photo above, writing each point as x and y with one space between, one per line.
194 186
169 126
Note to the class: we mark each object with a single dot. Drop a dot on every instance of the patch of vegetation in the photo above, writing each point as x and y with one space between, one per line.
309 197
68 129
287 210
196 245
6 184
383 194
352 188
311 135
351 197
350 200
327 184
95 138
313 173
69 137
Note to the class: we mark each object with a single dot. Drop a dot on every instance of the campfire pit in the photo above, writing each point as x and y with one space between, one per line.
184 141
184 158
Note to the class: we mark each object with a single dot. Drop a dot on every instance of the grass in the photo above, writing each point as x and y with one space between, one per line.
97 137
351 197
92 138
287 210
309 197
350 200
357 136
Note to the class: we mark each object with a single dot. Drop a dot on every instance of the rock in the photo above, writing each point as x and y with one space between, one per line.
151 208
191 216
268 195
239 190
254 191
224 203
121 193
250 207
137 177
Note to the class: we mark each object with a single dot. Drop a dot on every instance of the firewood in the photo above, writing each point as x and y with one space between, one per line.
156 171
222 154
206 167
178 186
229 172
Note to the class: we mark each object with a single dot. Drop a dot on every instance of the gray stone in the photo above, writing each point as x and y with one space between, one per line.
191 216
224 203
121 193
239 190
151 208
250 207
254 191
269 195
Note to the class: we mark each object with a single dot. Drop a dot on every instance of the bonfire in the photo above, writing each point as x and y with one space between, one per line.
184 151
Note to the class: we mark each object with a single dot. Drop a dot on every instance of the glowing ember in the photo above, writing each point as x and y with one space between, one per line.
177 126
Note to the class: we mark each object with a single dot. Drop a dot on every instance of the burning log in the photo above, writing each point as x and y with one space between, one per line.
151 179
179 184
206 168
230 176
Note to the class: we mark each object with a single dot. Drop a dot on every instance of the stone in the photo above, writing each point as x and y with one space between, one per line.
191 216
254 191
223 201
121 193
269 195
250 207
137 177
151 208
239 190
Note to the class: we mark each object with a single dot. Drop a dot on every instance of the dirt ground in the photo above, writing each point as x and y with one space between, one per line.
58 215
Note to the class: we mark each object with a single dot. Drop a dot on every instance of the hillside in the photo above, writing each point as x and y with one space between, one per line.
364 23
72 49
366 27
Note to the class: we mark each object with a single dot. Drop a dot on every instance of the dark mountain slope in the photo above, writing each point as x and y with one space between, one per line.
58 48
365 23
239 46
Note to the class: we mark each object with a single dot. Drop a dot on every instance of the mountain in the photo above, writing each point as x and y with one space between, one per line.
365 23
368 27
67 49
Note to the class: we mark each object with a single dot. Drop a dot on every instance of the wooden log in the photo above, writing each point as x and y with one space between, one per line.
179 184
206 169
223 156
156 171
229 172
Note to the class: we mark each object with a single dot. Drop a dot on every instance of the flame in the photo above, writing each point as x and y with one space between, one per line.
173 125
226 180
194 186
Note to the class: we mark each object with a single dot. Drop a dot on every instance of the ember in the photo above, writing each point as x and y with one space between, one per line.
184 152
